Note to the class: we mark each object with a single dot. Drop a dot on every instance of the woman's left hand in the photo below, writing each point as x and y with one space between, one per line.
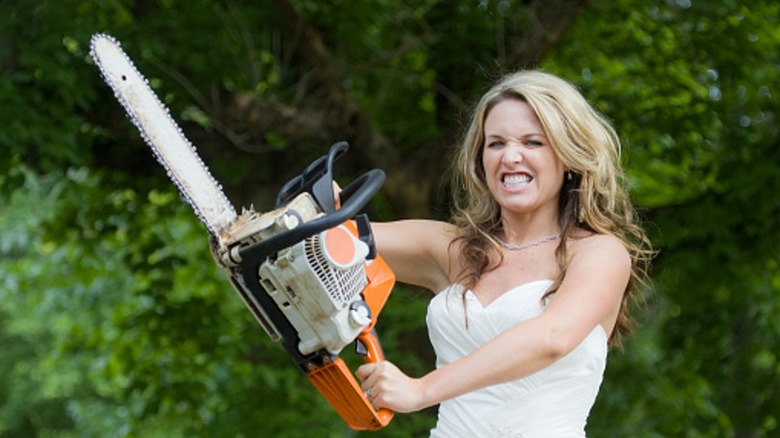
388 387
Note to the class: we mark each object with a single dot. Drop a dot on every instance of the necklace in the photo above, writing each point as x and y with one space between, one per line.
512 247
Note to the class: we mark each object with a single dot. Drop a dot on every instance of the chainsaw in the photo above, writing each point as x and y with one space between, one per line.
309 272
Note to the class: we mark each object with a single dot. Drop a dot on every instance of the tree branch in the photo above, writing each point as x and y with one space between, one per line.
347 116
329 112
340 113
549 21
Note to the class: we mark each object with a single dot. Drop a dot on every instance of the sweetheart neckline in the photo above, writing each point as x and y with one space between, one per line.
507 292
599 328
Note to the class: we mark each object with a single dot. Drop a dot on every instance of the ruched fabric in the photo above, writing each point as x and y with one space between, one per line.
551 403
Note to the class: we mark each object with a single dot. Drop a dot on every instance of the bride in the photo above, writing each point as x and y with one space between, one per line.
531 278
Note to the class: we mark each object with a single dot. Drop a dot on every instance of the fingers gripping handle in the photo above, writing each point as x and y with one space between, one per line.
374 355
337 384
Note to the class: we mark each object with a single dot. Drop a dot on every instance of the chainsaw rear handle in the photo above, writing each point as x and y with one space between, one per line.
335 382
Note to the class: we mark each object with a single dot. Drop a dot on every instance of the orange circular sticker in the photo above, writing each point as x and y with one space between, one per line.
339 245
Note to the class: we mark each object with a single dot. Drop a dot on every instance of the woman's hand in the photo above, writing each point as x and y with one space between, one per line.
336 195
388 387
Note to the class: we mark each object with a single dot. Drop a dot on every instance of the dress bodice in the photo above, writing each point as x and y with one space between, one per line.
553 402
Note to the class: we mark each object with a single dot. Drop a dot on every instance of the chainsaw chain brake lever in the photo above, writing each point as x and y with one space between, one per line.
317 179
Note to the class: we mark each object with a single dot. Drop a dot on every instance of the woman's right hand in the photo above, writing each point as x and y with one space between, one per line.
388 387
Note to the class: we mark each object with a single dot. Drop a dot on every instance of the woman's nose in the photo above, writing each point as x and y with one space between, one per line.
513 153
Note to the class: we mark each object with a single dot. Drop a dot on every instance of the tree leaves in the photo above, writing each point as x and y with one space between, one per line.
114 320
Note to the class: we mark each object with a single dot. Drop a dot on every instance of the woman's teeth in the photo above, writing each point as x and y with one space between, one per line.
511 181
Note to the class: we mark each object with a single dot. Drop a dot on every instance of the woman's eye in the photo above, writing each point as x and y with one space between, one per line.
534 143
495 144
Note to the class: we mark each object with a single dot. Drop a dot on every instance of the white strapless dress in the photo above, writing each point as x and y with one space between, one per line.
552 403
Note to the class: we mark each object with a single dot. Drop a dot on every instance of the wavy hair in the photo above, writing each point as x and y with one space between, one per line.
593 197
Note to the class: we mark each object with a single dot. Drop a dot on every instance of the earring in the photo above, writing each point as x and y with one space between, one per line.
568 175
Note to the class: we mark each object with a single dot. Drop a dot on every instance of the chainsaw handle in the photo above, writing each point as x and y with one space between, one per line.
357 195
340 388
317 179
352 189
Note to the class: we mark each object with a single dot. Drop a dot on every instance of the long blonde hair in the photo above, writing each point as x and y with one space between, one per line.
593 196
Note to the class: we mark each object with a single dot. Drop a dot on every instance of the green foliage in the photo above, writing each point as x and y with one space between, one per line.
115 321
701 132
128 319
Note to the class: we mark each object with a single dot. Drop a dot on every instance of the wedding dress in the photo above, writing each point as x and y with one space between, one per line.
551 403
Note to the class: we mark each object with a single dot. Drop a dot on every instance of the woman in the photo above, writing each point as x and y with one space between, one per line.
532 279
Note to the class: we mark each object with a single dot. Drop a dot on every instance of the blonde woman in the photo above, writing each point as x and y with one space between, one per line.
531 280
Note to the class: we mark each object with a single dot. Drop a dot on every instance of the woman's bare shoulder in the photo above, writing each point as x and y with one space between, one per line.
599 248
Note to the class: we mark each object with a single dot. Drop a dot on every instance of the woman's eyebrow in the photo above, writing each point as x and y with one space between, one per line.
524 136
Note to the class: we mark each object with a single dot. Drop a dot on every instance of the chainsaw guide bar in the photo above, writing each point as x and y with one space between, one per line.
171 148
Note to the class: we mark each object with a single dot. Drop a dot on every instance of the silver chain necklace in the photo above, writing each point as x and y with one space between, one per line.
512 247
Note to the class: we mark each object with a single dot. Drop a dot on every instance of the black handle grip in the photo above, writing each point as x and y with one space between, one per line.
357 195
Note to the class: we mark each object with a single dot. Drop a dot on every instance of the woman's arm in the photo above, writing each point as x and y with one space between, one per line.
417 251
589 295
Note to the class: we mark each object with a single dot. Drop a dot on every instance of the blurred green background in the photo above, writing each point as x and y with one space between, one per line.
114 320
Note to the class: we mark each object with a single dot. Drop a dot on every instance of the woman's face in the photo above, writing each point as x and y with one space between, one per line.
522 170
